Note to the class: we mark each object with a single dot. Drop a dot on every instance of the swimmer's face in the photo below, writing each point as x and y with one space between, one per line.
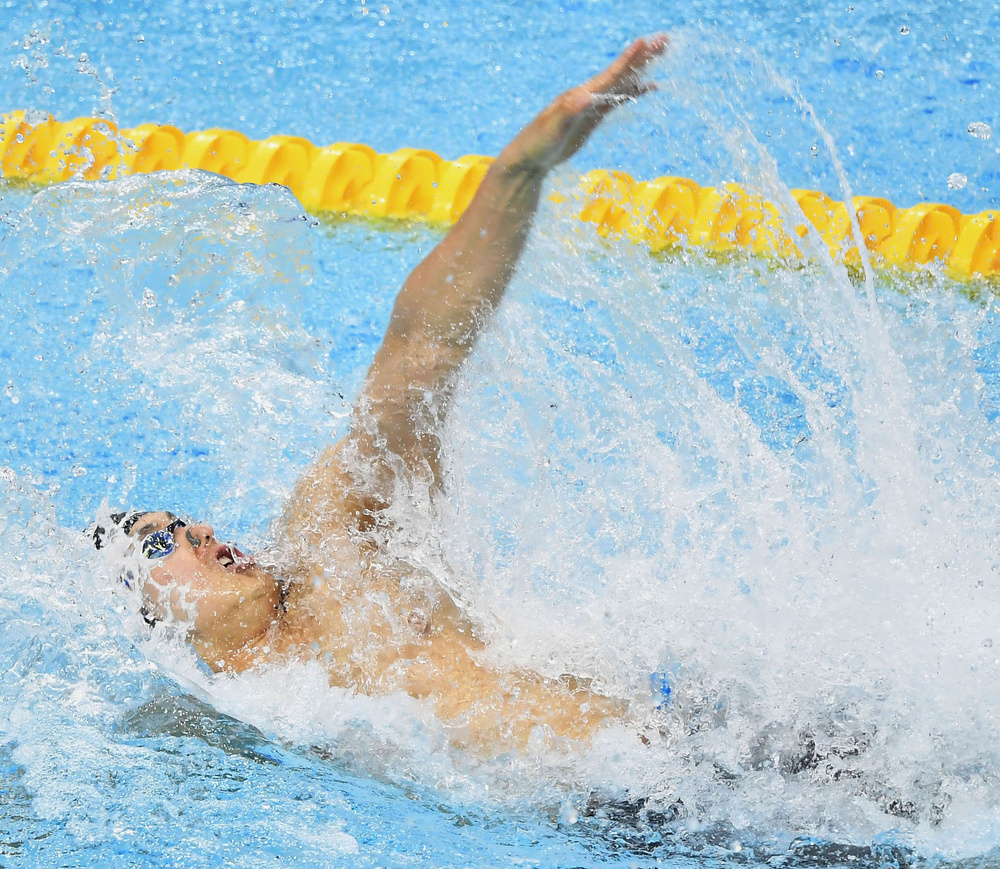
226 600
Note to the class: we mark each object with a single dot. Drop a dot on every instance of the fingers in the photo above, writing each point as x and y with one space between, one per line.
623 76
642 51
587 105
559 130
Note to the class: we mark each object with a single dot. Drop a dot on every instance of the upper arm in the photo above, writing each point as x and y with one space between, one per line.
394 431
326 503
398 417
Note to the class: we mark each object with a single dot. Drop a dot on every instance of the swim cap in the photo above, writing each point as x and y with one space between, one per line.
122 522
110 533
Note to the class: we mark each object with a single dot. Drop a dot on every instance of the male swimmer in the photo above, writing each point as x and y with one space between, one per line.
336 594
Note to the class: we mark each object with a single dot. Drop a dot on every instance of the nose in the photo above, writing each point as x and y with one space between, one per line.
198 534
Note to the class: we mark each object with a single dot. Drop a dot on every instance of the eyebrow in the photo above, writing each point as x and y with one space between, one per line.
151 526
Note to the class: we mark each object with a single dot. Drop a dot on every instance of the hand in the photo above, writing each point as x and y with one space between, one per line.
561 129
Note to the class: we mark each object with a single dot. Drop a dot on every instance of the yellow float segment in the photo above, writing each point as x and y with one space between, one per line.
350 178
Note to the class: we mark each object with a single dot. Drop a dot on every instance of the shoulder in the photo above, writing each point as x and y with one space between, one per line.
328 499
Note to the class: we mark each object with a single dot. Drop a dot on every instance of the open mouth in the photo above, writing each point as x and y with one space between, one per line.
231 559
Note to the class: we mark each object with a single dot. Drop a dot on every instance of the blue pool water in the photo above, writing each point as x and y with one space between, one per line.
779 487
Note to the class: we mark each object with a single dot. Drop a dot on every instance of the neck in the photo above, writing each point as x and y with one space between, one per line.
222 657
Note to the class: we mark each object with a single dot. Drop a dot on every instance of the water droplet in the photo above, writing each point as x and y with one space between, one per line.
979 129
737 847
140 38
956 181
568 814
880 74
79 471
988 643
904 30
149 298
814 150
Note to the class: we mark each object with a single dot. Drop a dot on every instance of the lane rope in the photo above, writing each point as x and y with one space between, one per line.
416 184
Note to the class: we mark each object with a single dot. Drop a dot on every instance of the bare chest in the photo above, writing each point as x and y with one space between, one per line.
368 619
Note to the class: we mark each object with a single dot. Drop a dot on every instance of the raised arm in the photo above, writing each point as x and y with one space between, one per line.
449 297
443 307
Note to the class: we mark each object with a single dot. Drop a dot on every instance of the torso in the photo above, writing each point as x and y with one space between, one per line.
380 625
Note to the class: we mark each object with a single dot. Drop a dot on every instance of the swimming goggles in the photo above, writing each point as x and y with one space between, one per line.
159 544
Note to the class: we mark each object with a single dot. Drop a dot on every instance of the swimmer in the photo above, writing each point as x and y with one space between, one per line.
335 594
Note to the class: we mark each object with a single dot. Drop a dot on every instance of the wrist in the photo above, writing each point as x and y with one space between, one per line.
514 162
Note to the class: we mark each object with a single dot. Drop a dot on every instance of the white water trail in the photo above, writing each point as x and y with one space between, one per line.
828 602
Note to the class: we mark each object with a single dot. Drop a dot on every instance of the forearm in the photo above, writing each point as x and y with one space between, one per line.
449 297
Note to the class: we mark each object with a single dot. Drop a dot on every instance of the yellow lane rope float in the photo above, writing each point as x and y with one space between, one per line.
410 183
